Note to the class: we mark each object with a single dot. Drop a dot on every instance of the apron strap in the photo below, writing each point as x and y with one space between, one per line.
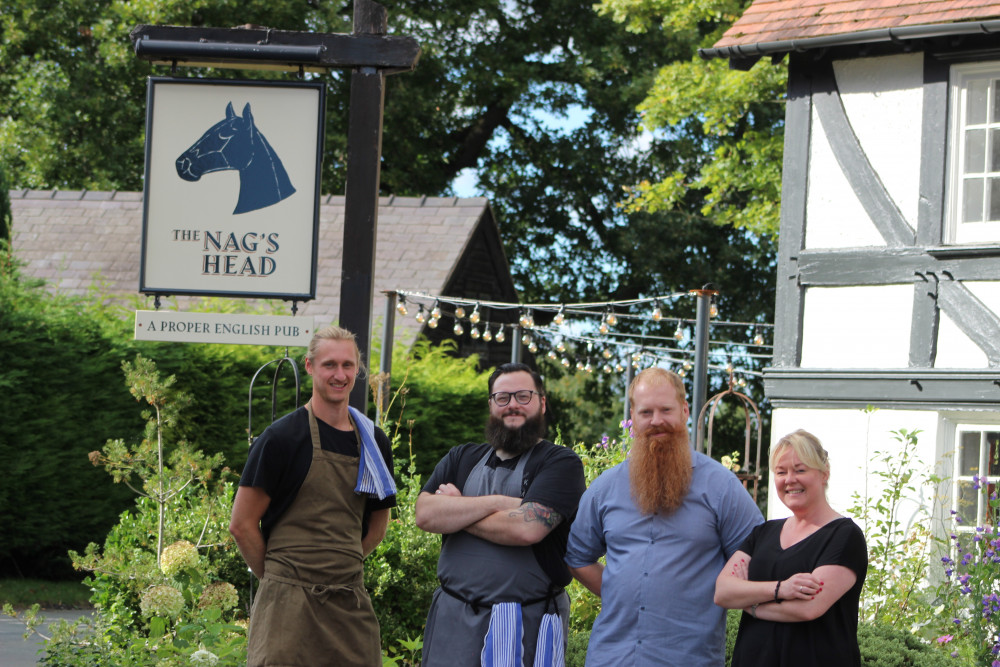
320 591
480 604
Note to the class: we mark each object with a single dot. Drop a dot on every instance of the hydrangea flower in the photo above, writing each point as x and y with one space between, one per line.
179 556
203 657
165 601
220 594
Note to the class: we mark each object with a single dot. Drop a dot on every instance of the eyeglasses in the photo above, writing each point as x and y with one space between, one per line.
502 398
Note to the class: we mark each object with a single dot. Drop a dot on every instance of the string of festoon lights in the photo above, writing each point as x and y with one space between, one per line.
589 336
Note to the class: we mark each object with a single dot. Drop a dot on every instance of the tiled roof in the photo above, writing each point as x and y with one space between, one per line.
769 21
425 244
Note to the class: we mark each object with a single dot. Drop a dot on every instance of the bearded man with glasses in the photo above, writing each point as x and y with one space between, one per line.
503 509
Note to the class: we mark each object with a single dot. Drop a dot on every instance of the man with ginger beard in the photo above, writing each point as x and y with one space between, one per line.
667 519
503 509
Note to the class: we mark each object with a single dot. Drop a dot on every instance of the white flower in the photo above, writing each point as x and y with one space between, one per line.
179 556
203 657
165 601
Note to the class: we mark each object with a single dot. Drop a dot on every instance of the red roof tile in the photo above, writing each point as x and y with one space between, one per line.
767 21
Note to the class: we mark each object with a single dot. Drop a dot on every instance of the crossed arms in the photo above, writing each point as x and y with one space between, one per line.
495 518
805 596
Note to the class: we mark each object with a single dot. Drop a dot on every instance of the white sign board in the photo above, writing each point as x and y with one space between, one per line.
174 326
231 199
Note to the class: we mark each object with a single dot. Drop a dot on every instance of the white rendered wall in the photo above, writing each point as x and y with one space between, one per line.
857 327
883 100
955 349
852 437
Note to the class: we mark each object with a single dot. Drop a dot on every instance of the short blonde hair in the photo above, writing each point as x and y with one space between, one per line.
333 332
806 446
657 376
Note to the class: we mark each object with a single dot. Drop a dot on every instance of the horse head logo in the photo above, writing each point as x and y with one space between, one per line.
236 143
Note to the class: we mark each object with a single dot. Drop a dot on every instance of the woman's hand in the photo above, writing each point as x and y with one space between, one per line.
801 586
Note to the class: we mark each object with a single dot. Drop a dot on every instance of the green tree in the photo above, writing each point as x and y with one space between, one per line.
740 114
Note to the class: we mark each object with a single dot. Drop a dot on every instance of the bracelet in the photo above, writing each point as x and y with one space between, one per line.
776 587
753 609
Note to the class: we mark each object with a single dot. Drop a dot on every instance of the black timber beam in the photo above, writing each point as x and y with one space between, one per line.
923 388
258 47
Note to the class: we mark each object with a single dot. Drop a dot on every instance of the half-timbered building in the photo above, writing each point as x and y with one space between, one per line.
888 291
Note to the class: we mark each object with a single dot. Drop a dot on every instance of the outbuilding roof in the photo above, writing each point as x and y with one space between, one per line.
772 27
76 240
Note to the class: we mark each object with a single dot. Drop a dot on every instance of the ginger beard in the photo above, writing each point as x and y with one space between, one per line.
660 469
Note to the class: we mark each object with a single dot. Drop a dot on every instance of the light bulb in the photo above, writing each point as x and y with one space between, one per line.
687 365
679 332
458 329
433 323
560 317
607 353
552 355
603 328
635 363
436 311
532 347
758 339
742 382
526 339
619 368
579 365
487 334
501 336
657 314
420 316
611 319
682 372
713 310
474 332
607 368
561 347
565 362
588 368
474 317
401 307
636 356
523 320
459 312
729 367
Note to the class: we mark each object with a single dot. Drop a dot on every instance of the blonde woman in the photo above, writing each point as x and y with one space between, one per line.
798 580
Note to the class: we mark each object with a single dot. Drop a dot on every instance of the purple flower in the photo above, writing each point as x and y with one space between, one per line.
977 482
944 639
604 442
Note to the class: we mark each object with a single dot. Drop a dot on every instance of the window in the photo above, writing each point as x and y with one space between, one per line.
977 467
974 201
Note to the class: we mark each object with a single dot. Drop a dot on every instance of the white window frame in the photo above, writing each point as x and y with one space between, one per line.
956 231
962 477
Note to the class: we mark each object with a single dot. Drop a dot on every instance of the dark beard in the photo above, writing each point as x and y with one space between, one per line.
514 441
660 470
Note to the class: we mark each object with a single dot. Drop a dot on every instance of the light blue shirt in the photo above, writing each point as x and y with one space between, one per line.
659 580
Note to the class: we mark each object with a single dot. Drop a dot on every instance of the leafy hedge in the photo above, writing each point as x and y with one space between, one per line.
62 397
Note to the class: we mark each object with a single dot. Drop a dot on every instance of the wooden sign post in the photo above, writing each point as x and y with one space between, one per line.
371 54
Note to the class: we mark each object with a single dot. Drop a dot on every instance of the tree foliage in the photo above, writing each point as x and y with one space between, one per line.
738 169
541 100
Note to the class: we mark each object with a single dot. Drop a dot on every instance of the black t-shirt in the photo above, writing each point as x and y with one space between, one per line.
830 640
280 458
553 477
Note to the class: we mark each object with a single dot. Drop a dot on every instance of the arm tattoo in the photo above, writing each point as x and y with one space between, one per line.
535 512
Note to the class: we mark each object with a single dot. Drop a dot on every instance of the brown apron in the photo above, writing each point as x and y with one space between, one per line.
312 607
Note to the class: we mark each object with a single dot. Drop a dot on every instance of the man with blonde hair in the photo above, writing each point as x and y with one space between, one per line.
666 519
313 501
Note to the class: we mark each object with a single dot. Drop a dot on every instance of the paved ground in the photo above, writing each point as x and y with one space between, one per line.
15 651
